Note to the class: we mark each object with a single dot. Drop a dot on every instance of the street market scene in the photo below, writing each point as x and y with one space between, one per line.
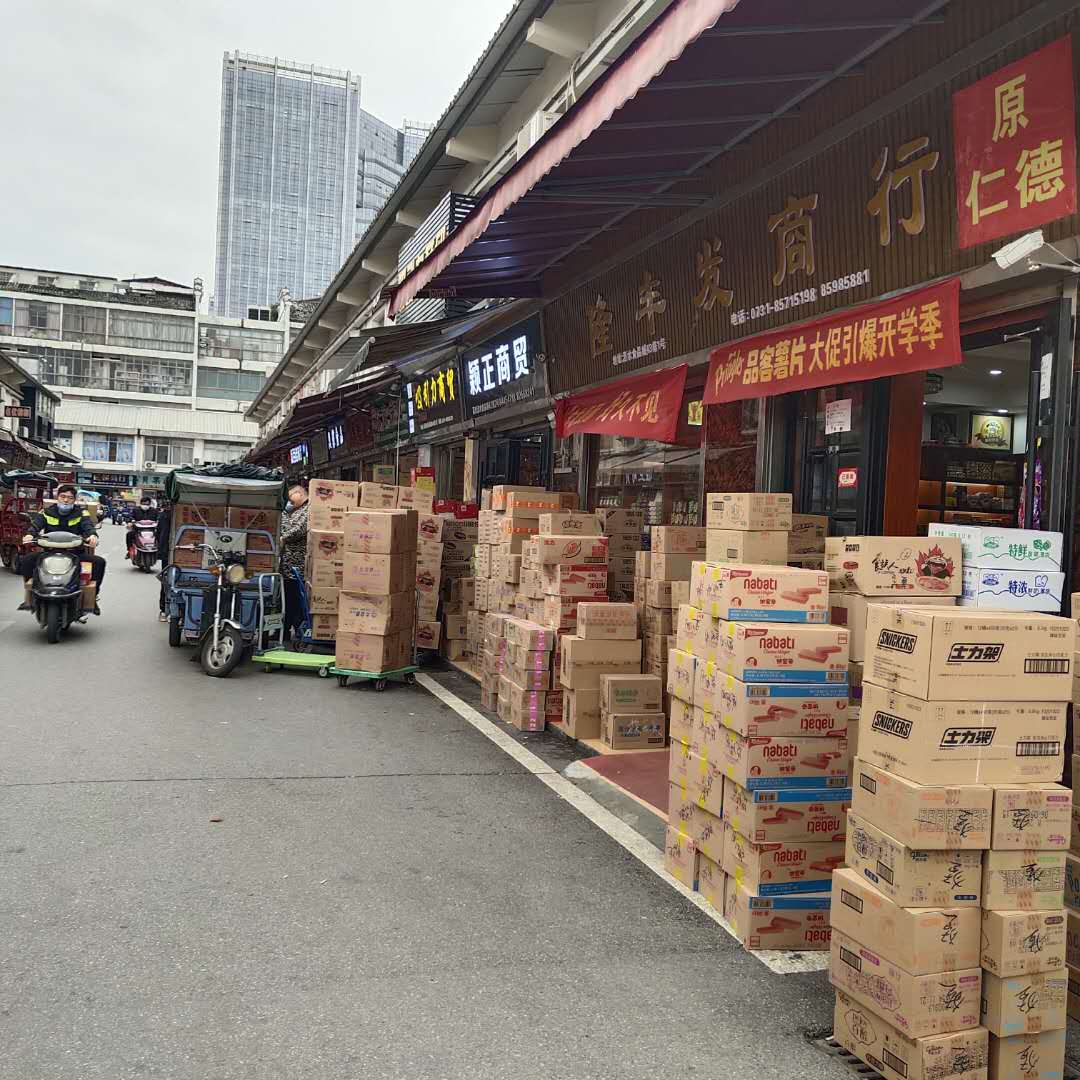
585 585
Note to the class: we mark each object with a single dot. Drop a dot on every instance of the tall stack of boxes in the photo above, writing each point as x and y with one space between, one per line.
1013 569
949 926
624 529
328 503
674 550
525 677
806 541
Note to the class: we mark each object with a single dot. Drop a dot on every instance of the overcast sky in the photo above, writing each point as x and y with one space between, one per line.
113 110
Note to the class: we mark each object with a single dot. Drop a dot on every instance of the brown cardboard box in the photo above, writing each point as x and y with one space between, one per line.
680 714
324 627
190 560
908 566
583 662
572 550
528 635
667 594
322 600
512 533
1072 881
598 621
799 922
678 540
920 940
704 781
959 1055
748 510
710 880
375 614
427 635
631 693
965 742
581 714
410 498
964 654
429 527
455 627
500 491
373 652
378 575
243 517
531 504
1031 816
671 567
614 521
754 709
191 513
260 541
458 650
464 529
697 632
528 659
747 591
681 669
1023 880
380 532
933 817
325 517
773 815
733 545
909 877
378 496
527 678
789 866
917 1005
1025 1003
1022 942
633 731
325 559
680 857
849 610
582 583
256 562
565 523
560 612
342 494
1038 1056
786 760
657 622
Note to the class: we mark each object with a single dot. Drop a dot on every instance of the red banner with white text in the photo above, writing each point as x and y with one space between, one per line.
913 332
641 407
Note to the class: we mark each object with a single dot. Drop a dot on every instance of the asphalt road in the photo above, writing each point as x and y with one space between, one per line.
386 894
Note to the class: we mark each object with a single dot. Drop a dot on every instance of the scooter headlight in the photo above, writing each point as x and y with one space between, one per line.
235 574
56 565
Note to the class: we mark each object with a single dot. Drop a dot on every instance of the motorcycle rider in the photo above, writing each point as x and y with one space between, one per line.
144 512
63 516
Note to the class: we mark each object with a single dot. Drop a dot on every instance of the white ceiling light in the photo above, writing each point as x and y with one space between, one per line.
1003 410
995 371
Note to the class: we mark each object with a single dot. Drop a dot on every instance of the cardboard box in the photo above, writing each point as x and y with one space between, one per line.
626 548
584 661
799 922
194 513
571 581
920 940
322 600
455 627
559 612
528 635
528 659
991 548
704 778
789 866
670 567
749 592
261 541
378 496
342 494
378 575
427 635
581 714
912 878
1035 817
1036 1056
786 761
754 709
1023 942
894 565
681 674
375 614
243 517
678 540
373 652
961 654
680 716
917 1005
931 817
768 653
260 563
773 815
1012 590
958 1055
327 517
850 610
527 678
499 493
711 880
411 498
680 857
463 529
755 510
599 621
429 527
614 521
531 504
631 693
660 593
633 731
1023 880
1072 880
569 524
380 532
1024 1004
657 622
735 546
967 742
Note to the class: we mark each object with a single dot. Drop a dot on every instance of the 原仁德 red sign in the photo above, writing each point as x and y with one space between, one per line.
1015 134
642 407
913 332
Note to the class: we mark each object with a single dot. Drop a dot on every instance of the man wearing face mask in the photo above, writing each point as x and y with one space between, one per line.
143 512
63 516
294 530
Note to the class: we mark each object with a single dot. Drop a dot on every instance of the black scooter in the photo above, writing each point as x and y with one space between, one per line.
57 584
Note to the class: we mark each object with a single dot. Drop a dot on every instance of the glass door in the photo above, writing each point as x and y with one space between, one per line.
523 459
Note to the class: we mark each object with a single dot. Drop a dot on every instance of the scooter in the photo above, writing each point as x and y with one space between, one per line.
57 584
144 549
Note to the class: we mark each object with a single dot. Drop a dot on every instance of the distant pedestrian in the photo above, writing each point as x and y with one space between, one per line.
294 530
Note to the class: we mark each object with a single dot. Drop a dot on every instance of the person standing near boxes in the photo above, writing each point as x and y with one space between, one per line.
294 530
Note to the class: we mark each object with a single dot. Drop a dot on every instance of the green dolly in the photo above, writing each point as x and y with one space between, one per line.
277 659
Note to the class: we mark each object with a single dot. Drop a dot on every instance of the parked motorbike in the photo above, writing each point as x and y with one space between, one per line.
57 584
144 549
221 645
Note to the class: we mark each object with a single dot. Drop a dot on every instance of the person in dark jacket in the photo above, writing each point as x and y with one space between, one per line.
63 516
294 530
164 546
144 512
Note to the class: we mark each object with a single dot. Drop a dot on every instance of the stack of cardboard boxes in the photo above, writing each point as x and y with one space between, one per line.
524 674
950 913
806 542
631 709
1014 569
624 529
192 519
328 503
747 527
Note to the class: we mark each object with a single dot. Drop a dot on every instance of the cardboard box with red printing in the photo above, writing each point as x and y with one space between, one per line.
733 546
760 593
529 635
379 496
344 493
799 921
755 709
531 504
895 565
375 613
572 550
499 492
528 659
427 635
322 600
771 653
773 815
195 513
746 510
411 498
243 517
788 866
786 760
378 575
256 562
373 652
581 582
324 627
1023 942
325 559
380 532
429 527
600 621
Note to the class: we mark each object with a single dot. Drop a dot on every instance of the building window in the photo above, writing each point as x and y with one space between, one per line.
119 449
46 281
62 438
220 383
6 277
169 451
237 343
223 453
94 371
36 318
87 284
260 314
84 324
38 315
142 330
7 316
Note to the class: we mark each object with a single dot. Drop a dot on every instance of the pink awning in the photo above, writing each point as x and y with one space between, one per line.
662 43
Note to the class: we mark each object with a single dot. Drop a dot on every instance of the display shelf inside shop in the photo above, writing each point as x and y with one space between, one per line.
967 485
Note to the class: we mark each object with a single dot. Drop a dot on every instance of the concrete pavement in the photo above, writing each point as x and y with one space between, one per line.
387 894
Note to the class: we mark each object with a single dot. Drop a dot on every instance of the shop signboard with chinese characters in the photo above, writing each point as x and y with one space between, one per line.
1015 135
504 371
641 407
433 400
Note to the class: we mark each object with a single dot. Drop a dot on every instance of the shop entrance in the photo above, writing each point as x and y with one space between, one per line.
523 459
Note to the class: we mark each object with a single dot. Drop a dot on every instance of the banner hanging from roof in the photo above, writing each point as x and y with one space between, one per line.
912 332
642 407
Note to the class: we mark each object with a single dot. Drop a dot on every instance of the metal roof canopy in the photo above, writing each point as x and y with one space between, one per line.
700 81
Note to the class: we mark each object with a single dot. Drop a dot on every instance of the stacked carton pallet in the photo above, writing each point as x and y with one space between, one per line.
631 706
674 550
759 760
1014 569
624 529
328 503
950 914
525 676
378 599
747 527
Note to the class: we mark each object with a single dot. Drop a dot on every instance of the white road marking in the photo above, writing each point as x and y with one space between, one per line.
6 624
782 963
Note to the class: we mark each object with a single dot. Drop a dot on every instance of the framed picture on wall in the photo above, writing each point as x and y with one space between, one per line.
991 431
945 428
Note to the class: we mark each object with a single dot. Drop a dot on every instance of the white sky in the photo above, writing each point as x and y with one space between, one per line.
111 111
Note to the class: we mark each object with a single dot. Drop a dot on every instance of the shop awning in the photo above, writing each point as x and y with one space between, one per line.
915 331
702 79
641 407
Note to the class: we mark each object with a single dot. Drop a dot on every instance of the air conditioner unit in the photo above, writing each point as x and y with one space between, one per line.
537 127
196 462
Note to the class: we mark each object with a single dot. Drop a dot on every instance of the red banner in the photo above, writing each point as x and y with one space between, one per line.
913 332
1015 134
643 407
